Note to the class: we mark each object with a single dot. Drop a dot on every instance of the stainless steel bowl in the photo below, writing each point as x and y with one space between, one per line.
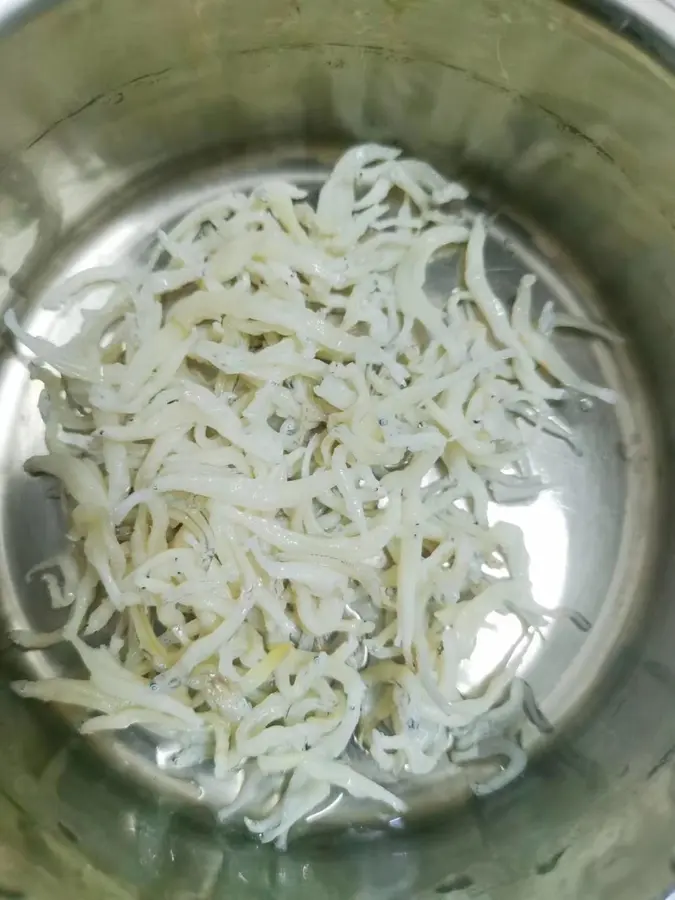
117 116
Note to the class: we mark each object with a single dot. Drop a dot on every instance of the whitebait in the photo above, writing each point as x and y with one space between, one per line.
267 578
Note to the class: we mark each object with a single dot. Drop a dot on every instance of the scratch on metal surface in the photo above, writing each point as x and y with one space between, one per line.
70 115
115 92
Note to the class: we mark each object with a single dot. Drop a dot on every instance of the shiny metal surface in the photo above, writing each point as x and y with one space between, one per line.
561 119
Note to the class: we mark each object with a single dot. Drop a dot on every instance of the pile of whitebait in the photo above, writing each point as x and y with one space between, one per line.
260 563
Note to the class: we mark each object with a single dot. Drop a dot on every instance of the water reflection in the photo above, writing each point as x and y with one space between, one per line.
546 536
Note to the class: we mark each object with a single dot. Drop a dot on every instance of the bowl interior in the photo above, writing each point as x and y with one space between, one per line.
563 131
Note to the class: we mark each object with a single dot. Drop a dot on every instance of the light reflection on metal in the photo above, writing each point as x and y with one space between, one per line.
546 536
